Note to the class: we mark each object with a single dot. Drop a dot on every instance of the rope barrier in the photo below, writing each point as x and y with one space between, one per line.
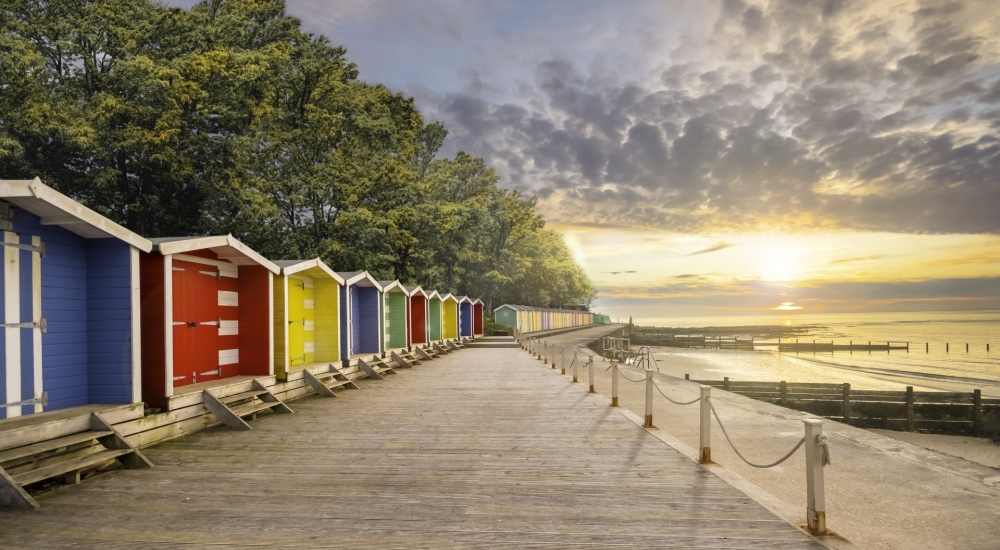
671 400
629 379
771 465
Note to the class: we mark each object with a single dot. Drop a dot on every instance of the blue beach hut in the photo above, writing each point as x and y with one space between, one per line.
71 303
464 316
361 329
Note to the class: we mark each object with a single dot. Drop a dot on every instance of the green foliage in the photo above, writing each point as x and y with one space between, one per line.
228 118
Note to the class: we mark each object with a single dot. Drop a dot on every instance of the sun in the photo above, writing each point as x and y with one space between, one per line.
780 266
788 306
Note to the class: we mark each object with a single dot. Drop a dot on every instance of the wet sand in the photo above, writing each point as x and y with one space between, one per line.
974 449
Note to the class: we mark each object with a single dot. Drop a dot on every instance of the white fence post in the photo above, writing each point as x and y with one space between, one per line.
648 422
590 369
545 353
815 497
705 456
562 360
576 368
614 383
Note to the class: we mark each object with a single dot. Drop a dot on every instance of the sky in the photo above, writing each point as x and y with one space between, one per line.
722 157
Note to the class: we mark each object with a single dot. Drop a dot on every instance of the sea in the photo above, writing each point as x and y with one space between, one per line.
937 356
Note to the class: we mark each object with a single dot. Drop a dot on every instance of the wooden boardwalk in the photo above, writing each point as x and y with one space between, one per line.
483 448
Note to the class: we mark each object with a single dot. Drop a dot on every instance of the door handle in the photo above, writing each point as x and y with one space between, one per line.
192 324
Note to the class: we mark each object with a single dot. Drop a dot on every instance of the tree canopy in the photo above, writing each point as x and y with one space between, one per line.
229 118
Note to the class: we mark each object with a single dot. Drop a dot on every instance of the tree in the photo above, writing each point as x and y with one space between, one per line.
228 118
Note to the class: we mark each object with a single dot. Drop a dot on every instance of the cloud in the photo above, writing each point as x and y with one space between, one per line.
721 245
857 259
784 115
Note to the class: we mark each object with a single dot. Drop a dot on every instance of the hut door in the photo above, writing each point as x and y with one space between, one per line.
196 323
184 303
207 332
296 322
21 344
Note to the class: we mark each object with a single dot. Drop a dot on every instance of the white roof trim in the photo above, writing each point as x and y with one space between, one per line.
393 285
309 264
433 294
477 301
451 296
216 241
417 290
54 208
362 276
463 299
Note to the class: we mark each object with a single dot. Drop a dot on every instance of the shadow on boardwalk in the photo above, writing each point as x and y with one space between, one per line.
481 448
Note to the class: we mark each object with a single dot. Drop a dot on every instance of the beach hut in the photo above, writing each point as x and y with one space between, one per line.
71 303
477 317
417 317
306 316
464 316
449 317
435 317
395 307
206 315
361 331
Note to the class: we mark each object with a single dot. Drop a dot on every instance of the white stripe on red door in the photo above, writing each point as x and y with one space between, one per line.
229 356
229 298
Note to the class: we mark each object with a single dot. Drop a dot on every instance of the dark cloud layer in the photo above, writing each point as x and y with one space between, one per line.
787 114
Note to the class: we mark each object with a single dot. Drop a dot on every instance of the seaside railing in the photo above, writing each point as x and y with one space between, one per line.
783 340
816 446
909 410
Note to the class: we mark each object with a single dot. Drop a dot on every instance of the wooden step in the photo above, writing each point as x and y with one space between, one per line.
51 445
250 408
374 368
241 396
425 354
330 380
233 416
68 466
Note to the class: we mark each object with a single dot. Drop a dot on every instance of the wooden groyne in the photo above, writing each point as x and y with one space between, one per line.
909 410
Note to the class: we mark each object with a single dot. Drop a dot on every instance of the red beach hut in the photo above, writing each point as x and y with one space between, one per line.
418 316
206 314
477 317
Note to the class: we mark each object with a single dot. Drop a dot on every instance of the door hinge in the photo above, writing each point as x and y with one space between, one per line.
43 324
42 400
40 248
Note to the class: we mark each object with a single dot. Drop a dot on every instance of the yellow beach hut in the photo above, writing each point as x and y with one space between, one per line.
449 315
306 316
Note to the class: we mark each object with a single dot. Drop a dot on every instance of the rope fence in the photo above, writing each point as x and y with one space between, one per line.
739 454
817 449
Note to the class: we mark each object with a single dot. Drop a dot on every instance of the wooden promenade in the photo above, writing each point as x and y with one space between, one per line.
483 448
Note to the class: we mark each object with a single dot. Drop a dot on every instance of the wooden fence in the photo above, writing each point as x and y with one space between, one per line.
931 411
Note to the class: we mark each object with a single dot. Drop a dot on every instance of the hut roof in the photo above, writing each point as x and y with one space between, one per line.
290 267
226 247
54 208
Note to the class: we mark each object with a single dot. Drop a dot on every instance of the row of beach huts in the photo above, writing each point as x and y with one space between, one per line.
113 342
